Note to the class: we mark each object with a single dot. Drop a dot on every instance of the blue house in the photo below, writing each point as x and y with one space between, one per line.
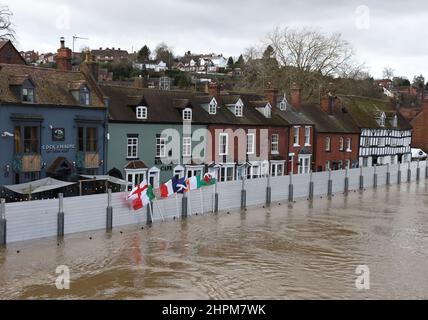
52 122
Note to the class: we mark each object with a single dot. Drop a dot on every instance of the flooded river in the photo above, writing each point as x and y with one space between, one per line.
304 250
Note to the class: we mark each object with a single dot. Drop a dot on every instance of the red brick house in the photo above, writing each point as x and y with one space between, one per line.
248 137
337 135
300 133
420 125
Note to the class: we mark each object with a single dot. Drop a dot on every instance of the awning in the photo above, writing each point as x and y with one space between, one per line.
105 178
41 185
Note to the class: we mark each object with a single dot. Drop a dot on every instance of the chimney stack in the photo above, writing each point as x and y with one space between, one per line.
296 99
139 82
214 89
272 96
90 65
63 58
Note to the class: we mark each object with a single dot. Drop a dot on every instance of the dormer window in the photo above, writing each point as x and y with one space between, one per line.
283 106
28 95
212 108
395 121
187 114
84 96
268 111
238 110
382 119
141 112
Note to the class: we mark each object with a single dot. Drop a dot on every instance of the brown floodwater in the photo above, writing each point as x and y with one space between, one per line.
304 250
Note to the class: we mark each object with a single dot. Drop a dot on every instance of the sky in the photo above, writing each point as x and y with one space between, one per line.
383 33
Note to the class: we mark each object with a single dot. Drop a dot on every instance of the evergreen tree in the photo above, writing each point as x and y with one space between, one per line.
144 54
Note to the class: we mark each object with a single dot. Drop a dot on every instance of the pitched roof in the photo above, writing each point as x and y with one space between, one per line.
162 106
166 107
365 111
53 87
340 121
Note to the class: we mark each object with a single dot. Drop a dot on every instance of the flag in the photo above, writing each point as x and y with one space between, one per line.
194 182
141 195
208 180
166 189
179 185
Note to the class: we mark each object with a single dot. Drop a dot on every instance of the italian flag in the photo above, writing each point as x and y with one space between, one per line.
141 195
194 182
166 189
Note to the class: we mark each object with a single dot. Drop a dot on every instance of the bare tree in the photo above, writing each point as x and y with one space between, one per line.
388 73
6 26
311 55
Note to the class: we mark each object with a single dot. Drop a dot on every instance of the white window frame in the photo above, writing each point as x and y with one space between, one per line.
132 142
274 145
187 146
283 106
341 144
253 143
131 177
307 136
161 143
303 169
141 112
274 168
223 175
348 144
239 109
327 144
192 171
155 173
212 107
226 144
327 165
296 137
187 114
179 170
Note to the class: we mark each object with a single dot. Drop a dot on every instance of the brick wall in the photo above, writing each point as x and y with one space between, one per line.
335 155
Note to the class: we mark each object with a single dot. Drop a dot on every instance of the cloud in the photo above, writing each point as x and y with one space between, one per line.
394 36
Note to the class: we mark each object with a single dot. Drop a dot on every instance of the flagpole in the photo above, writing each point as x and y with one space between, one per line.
150 210
189 203
160 211
176 205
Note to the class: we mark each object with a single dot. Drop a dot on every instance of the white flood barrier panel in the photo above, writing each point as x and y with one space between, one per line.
39 218
279 187
320 183
354 178
301 185
86 215
229 195
31 220
338 179
256 191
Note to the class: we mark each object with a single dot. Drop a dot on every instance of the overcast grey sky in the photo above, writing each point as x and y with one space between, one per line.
384 32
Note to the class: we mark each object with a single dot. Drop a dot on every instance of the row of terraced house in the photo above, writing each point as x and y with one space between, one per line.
62 123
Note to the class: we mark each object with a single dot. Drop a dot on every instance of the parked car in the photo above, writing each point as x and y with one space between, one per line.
418 154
